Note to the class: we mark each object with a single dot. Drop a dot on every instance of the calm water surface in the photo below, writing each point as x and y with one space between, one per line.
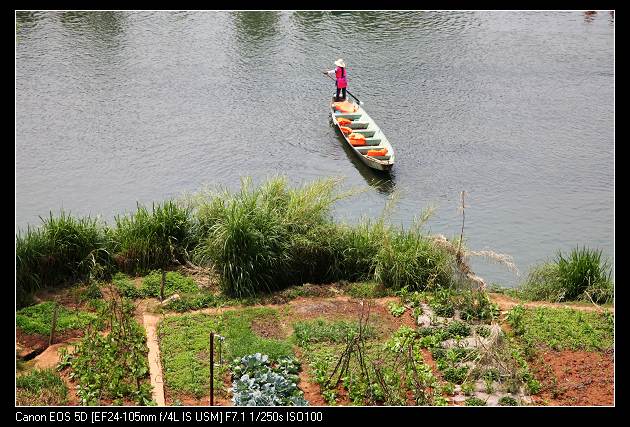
515 108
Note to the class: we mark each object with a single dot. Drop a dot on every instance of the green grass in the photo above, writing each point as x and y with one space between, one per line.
320 330
174 283
185 347
125 286
43 387
560 329
367 290
576 276
37 319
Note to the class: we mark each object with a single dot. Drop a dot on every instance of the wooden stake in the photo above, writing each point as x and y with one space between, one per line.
211 368
54 325
461 236
162 285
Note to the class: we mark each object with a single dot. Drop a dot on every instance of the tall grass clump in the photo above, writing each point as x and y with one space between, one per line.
354 250
581 275
269 237
147 240
409 259
63 249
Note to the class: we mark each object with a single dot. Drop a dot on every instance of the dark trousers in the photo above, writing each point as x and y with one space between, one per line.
342 90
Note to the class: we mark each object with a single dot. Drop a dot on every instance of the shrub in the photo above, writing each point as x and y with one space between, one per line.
475 401
271 237
507 401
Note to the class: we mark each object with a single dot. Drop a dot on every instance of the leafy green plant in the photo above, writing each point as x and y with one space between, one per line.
194 301
396 310
475 401
257 384
468 388
483 331
125 286
507 401
476 305
560 328
458 328
113 365
442 302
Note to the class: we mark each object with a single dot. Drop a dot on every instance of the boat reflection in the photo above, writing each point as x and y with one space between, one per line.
382 181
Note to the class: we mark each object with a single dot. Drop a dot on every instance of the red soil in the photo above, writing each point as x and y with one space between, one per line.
575 378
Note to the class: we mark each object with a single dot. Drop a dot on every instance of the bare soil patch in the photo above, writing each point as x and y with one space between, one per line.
343 307
68 296
34 342
575 378
312 390
270 327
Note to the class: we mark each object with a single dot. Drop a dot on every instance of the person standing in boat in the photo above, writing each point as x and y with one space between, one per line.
341 77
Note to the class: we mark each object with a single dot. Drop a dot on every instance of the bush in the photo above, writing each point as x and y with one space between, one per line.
576 276
507 401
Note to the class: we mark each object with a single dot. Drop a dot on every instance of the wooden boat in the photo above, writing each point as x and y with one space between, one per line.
362 124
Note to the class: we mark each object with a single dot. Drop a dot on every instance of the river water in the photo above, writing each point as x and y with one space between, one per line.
514 108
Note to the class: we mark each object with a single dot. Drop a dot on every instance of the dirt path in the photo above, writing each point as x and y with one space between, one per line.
505 303
150 322
155 366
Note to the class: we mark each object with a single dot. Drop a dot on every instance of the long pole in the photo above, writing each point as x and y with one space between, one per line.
211 368
349 93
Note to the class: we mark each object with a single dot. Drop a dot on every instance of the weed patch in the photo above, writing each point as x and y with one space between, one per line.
562 329
40 387
37 319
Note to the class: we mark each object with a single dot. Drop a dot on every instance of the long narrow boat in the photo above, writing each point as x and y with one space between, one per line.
362 134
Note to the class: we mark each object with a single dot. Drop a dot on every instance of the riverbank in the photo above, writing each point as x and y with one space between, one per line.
312 323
